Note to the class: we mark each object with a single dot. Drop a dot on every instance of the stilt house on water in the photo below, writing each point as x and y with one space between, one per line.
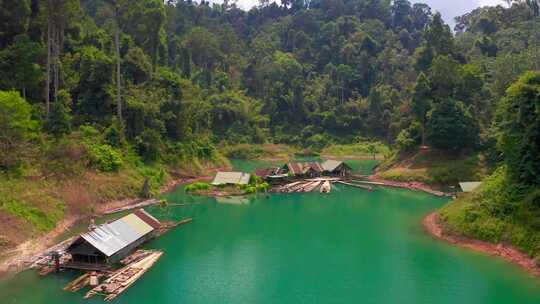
108 243
311 169
336 168
272 175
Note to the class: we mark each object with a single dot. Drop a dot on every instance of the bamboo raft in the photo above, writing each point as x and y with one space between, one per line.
122 279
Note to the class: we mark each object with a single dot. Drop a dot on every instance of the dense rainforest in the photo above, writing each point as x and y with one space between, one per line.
95 89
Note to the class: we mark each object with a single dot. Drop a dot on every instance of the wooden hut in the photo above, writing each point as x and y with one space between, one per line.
108 243
272 175
231 178
336 168
309 169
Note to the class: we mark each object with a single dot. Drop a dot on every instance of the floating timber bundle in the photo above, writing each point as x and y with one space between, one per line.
324 184
122 279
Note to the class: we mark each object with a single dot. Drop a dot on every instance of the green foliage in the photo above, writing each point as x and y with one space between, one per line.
519 129
360 149
59 122
19 65
16 127
410 138
104 158
451 127
148 145
498 212
197 187
114 135
40 220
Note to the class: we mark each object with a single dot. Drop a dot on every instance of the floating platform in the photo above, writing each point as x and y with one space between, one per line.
122 279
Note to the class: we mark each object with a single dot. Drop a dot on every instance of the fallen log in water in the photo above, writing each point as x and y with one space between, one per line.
369 188
134 206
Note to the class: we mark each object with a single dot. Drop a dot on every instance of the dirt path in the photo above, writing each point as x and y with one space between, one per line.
511 254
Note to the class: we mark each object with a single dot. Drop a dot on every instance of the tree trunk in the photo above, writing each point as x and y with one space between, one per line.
118 78
48 81
537 40
56 49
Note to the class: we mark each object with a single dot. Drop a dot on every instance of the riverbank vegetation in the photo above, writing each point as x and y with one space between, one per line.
507 206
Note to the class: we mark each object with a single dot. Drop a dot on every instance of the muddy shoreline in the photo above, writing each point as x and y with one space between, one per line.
433 226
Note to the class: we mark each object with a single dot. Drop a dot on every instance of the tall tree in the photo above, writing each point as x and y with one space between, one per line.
519 129
421 102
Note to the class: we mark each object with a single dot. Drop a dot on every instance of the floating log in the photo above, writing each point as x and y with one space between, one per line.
136 256
166 226
369 188
78 283
409 186
135 206
46 270
312 186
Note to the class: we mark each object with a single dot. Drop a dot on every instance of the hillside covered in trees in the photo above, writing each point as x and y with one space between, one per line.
95 89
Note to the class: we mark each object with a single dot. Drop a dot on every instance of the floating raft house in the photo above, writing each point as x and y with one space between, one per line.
109 243
336 168
231 178
310 169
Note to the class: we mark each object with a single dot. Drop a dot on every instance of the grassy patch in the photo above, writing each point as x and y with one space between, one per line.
41 220
434 168
262 152
374 150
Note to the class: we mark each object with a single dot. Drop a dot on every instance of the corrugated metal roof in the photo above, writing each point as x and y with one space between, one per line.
469 186
236 178
112 237
331 165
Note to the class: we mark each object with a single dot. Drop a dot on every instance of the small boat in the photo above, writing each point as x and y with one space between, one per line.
325 188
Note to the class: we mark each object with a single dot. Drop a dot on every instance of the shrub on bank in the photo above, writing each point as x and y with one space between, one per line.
197 187
500 211
105 158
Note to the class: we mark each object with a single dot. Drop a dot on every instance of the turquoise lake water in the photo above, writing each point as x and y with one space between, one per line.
350 246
